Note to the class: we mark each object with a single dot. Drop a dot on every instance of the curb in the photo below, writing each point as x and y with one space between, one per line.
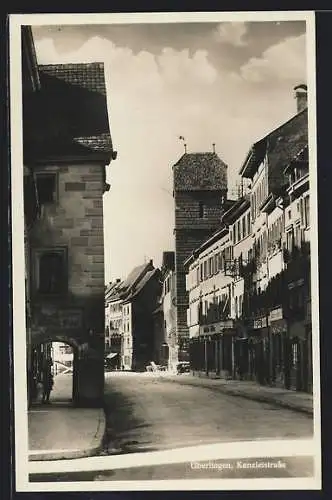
93 449
253 397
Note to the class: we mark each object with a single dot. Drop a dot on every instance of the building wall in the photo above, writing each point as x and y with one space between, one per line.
114 317
198 209
242 238
169 309
127 335
197 215
186 241
73 224
276 225
144 305
207 281
200 189
160 353
296 220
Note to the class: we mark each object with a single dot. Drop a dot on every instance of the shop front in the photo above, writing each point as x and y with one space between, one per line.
258 351
212 352
278 342
298 357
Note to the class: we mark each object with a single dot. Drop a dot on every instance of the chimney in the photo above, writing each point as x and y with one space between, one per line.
301 97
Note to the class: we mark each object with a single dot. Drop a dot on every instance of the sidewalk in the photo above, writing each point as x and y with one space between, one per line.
58 431
292 400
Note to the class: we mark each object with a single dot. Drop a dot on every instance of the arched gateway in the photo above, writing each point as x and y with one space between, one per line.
66 147
88 365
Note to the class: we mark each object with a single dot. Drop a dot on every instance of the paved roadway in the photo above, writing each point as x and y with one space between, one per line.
146 412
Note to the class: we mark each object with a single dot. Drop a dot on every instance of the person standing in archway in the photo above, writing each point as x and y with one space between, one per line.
47 381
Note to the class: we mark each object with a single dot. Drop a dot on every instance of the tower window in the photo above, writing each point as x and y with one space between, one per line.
50 271
46 187
201 209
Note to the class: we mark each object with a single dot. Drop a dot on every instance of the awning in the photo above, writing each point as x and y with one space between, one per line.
112 355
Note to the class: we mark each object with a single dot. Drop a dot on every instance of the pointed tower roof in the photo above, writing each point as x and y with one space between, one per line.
200 172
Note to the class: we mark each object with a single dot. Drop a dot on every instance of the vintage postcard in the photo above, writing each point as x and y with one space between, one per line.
165 262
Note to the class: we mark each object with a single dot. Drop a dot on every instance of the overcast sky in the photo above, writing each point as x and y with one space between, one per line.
226 83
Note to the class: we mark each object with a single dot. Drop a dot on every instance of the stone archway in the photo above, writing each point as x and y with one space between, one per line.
88 365
43 339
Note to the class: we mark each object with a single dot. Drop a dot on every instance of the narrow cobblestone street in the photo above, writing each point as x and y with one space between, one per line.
148 412
151 413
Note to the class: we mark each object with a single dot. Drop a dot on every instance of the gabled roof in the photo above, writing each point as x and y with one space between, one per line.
135 290
67 117
127 288
279 146
112 291
200 172
82 75
135 275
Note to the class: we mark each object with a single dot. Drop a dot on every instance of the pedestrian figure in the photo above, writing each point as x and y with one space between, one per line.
47 381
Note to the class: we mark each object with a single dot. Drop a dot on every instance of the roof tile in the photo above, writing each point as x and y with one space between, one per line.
199 172
68 116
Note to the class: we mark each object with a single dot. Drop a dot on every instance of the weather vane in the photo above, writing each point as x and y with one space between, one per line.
181 138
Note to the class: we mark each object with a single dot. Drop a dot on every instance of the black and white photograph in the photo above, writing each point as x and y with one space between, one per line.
165 255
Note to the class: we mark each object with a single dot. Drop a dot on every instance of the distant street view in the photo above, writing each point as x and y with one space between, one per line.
169 218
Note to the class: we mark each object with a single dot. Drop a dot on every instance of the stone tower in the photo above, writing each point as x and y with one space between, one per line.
199 190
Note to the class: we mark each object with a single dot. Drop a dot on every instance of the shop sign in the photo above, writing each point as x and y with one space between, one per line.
275 315
260 323
225 325
217 327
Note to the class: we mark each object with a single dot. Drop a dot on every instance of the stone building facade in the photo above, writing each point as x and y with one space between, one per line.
139 306
170 346
130 307
200 192
113 324
267 334
67 145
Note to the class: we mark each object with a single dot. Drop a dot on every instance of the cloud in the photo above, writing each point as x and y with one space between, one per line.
154 98
284 61
232 33
170 66
178 65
